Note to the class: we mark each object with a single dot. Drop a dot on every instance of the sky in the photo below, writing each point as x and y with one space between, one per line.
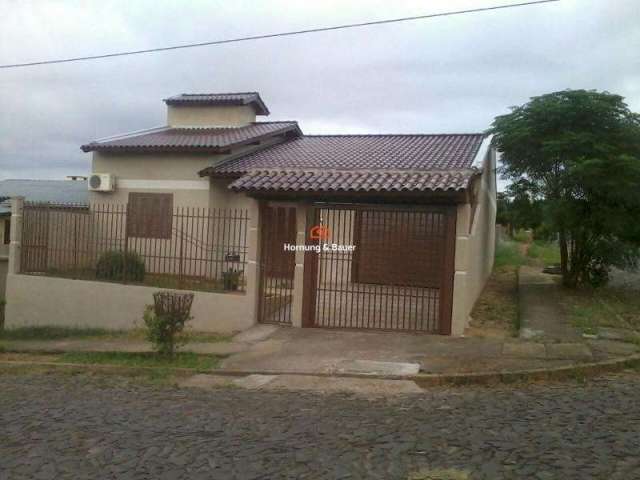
441 75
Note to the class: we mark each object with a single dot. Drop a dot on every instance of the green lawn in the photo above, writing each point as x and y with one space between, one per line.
591 309
495 314
545 253
57 333
62 333
180 360
509 254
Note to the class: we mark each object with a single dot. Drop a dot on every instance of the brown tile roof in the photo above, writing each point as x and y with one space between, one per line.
362 152
193 139
240 98
354 181
358 163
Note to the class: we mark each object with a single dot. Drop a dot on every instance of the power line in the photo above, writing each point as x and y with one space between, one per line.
272 35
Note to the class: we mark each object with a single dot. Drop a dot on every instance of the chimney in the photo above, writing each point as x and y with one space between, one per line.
201 110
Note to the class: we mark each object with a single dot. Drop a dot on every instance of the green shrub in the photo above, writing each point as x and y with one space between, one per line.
112 264
166 319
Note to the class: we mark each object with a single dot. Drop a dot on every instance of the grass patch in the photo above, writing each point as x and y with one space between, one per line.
180 360
56 333
205 337
62 333
509 254
545 253
521 236
495 314
592 309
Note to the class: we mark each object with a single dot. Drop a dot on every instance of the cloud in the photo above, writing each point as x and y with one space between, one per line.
452 74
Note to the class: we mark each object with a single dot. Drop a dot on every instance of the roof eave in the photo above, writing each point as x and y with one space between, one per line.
258 105
94 146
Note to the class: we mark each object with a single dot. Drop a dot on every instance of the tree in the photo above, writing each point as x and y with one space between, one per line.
580 151
519 207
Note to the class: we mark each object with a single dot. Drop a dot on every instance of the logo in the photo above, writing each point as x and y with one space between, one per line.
319 232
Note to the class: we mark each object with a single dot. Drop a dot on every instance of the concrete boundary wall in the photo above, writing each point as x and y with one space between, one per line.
475 246
39 301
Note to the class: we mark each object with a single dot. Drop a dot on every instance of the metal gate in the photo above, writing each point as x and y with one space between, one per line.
277 266
399 276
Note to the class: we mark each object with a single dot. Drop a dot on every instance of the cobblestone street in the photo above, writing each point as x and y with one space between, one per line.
61 426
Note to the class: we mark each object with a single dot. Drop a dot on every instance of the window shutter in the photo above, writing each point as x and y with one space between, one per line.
150 215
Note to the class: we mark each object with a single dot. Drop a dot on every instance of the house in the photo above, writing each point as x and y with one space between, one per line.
385 232
53 191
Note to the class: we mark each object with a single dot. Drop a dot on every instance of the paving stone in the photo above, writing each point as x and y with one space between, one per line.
378 368
570 351
524 349
254 381
361 386
52 425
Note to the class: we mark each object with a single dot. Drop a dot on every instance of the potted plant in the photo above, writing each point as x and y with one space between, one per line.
231 279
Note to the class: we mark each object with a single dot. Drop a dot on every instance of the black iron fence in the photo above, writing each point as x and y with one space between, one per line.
157 245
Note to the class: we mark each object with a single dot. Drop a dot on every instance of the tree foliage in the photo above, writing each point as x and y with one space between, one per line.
579 150
519 207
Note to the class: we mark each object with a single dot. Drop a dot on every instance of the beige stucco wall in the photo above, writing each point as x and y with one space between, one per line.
207 116
151 166
42 300
167 173
77 303
475 246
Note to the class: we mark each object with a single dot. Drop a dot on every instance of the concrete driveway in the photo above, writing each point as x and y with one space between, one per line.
310 350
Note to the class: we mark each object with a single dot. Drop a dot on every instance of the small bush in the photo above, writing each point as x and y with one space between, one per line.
113 263
166 319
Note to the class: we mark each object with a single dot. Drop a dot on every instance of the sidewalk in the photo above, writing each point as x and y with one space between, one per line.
541 316
547 341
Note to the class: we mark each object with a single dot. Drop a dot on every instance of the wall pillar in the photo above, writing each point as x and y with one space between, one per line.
459 312
251 268
15 247
298 275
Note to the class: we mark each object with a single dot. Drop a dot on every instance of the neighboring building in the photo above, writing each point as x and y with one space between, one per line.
53 191
419 209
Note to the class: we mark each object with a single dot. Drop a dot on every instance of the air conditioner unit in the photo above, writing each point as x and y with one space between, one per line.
102 182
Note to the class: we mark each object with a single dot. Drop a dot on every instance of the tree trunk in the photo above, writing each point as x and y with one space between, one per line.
564 258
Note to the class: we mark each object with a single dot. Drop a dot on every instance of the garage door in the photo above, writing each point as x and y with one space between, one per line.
381 268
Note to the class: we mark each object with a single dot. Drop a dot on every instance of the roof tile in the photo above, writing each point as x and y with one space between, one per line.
354 181
190 139
240 98
419 152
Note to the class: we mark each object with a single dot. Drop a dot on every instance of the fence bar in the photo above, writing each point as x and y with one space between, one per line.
189 250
